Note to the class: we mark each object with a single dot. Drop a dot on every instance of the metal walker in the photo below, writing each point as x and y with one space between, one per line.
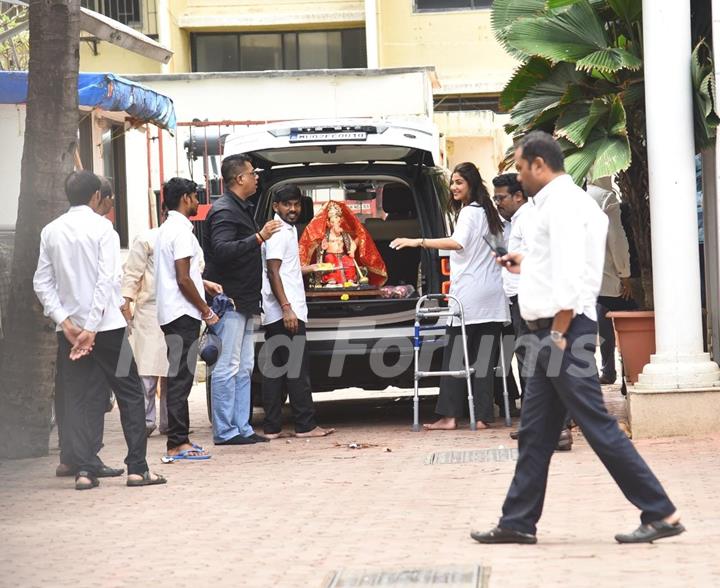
422 312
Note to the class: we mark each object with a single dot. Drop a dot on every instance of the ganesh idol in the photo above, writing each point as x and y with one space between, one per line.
342 250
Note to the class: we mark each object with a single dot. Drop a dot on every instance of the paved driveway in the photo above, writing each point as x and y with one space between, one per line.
291 513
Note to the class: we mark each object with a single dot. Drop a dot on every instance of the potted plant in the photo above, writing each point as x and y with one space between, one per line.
580 78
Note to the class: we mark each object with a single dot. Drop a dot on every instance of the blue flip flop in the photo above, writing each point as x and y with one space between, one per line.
184 454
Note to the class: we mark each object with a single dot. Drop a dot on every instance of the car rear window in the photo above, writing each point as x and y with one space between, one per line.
364 198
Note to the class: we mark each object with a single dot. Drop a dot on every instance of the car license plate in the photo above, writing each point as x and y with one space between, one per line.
303 137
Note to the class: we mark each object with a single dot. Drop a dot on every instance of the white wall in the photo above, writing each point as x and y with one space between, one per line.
268 96
272 96
12 137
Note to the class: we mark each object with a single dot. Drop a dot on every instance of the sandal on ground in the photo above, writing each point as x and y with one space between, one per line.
147 480
650 532
93 483
185 454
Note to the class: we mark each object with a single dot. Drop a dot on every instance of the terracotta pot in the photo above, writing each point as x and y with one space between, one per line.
635 339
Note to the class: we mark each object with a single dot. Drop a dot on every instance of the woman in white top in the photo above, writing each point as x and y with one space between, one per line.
476 281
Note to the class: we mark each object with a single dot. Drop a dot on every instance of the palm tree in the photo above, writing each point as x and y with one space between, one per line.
27 355
581 79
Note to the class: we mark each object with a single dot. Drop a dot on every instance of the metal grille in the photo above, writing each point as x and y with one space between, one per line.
477 455
448 576
138 14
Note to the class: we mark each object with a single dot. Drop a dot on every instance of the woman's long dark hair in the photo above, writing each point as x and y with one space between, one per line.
478 193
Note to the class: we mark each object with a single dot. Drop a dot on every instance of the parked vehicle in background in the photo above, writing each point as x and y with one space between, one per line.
385 172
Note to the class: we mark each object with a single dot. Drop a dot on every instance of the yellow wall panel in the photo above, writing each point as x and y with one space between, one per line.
239 14
114 59
460 44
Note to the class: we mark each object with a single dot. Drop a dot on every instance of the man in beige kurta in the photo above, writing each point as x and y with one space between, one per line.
146 337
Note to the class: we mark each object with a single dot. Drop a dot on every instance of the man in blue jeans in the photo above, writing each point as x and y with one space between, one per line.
233 259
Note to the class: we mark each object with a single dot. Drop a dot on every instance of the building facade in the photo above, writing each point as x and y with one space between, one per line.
453 36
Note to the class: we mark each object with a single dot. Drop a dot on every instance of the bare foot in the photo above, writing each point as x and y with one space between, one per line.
190 448
272 435
443 424
316 432
482 425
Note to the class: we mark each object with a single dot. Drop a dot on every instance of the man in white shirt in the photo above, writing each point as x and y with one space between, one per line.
560 279
615 290
284 318
98 404
513 206
77 282
181 306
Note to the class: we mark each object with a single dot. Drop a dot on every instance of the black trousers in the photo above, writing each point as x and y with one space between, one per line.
569 379
482 353
84 382
95 409
513 392
606 331
519 328
285 370
181 338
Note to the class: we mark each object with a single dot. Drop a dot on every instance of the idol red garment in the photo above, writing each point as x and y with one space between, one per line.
366 254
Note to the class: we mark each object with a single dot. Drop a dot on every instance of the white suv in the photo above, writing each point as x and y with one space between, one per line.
385 171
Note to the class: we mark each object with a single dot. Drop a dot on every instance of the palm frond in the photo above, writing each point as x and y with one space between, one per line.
578 120
505 13
535 70
609 60
566 36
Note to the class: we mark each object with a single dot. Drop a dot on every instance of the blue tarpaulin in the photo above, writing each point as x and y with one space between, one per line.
105 91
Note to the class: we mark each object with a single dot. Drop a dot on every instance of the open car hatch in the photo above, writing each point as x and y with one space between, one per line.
339 141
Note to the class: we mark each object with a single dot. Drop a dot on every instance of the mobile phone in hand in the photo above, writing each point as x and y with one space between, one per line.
497 247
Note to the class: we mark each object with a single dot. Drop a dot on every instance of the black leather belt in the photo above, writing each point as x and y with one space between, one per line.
543 323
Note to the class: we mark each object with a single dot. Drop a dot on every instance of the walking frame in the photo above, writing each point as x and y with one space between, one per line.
425 312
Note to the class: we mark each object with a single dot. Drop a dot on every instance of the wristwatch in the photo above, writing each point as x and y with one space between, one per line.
557 336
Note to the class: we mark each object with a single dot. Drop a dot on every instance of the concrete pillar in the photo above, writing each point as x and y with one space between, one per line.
680 361
163 26
371 34
659 403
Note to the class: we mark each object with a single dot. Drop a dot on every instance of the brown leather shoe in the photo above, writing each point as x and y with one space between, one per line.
514 434
565 442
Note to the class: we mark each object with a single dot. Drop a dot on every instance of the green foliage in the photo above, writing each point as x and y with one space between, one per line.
581 72
15 51
706 118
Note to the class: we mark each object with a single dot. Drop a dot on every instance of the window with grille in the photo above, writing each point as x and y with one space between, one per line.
128 12
446 5
282 50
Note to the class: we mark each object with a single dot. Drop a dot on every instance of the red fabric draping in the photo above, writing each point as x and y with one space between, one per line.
366 255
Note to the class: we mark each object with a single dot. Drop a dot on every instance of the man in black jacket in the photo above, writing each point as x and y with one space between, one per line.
233 259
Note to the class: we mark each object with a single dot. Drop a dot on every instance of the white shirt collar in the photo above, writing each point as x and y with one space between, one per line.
81 208
180 217
518 212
